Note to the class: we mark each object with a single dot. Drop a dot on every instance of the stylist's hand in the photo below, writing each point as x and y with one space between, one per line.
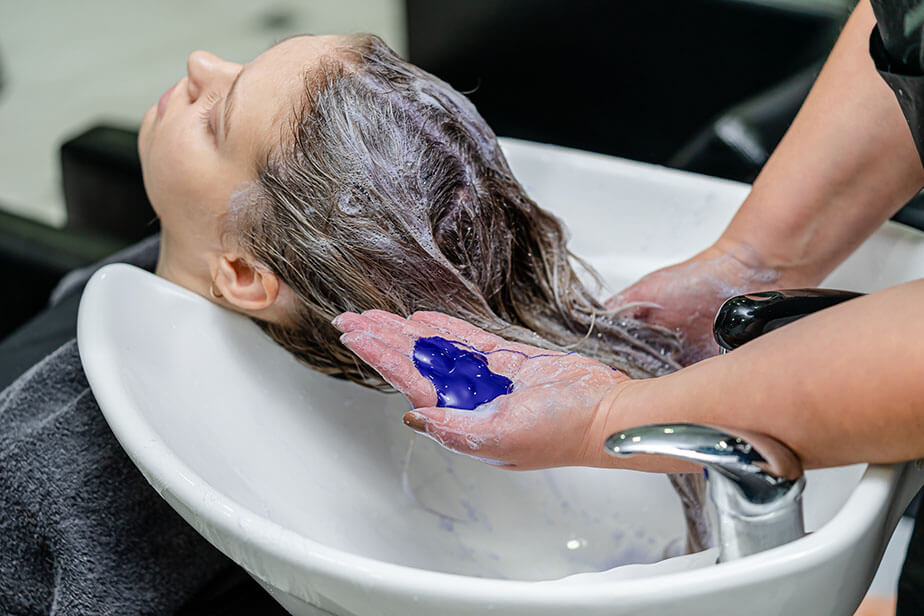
549 419
685 297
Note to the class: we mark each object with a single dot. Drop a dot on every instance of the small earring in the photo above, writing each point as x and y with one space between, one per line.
214 293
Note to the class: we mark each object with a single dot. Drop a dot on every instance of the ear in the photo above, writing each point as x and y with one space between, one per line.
248 286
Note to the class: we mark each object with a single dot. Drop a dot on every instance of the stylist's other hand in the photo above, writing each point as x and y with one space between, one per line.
685 297
552 416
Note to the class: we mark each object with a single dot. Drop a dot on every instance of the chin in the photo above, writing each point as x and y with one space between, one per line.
146 122
144 144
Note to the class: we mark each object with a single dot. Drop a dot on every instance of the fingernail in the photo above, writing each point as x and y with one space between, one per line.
415 421
337 322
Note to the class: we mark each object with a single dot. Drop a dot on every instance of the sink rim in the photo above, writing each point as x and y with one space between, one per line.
296 553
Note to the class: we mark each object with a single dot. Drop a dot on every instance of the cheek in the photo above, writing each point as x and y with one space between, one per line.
188 181
177 169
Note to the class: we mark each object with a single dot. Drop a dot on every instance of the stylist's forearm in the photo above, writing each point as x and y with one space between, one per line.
846 164
840 386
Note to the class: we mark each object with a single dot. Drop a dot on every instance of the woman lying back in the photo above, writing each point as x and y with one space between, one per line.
328 175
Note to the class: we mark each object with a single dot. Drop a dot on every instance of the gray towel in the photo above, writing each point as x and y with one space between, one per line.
81 531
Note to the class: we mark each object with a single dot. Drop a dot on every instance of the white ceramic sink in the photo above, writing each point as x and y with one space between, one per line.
316 488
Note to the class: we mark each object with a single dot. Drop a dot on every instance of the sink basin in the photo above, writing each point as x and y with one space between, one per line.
315 487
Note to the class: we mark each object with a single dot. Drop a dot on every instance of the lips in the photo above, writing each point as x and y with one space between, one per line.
162 103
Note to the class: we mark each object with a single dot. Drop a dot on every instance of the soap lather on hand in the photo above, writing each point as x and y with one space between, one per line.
479 394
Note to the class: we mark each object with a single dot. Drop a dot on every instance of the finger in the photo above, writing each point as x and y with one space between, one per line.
388 332
345 321
623 310
633 300
612 303
412 329
348 321
381 316
394 366
630 304
469 432
397 331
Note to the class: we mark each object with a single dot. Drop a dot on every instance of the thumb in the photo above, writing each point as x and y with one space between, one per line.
459 430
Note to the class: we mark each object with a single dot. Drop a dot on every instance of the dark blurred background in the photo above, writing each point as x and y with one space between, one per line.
633 79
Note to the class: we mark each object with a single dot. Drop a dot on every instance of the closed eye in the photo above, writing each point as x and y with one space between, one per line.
206 113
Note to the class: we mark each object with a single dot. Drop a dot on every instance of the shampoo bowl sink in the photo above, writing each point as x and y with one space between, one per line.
315 487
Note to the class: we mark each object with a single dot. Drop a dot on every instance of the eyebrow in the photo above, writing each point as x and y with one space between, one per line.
229 102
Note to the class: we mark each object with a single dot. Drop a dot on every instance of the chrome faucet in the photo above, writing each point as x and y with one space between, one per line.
754 482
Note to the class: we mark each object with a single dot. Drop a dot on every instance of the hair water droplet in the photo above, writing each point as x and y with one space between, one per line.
461 377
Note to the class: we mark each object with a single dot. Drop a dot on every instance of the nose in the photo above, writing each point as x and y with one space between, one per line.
207 71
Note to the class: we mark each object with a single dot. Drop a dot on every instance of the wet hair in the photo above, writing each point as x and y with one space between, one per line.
390 191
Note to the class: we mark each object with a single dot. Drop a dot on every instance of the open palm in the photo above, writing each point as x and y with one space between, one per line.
546 420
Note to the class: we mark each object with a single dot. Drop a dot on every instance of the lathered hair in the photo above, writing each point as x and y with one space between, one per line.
390 191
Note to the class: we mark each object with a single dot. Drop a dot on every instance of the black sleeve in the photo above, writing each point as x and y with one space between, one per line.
909 89
895 46
899 23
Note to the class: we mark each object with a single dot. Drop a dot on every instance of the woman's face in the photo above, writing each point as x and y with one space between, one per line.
201 142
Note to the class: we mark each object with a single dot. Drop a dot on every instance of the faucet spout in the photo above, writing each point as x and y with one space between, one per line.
755 483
